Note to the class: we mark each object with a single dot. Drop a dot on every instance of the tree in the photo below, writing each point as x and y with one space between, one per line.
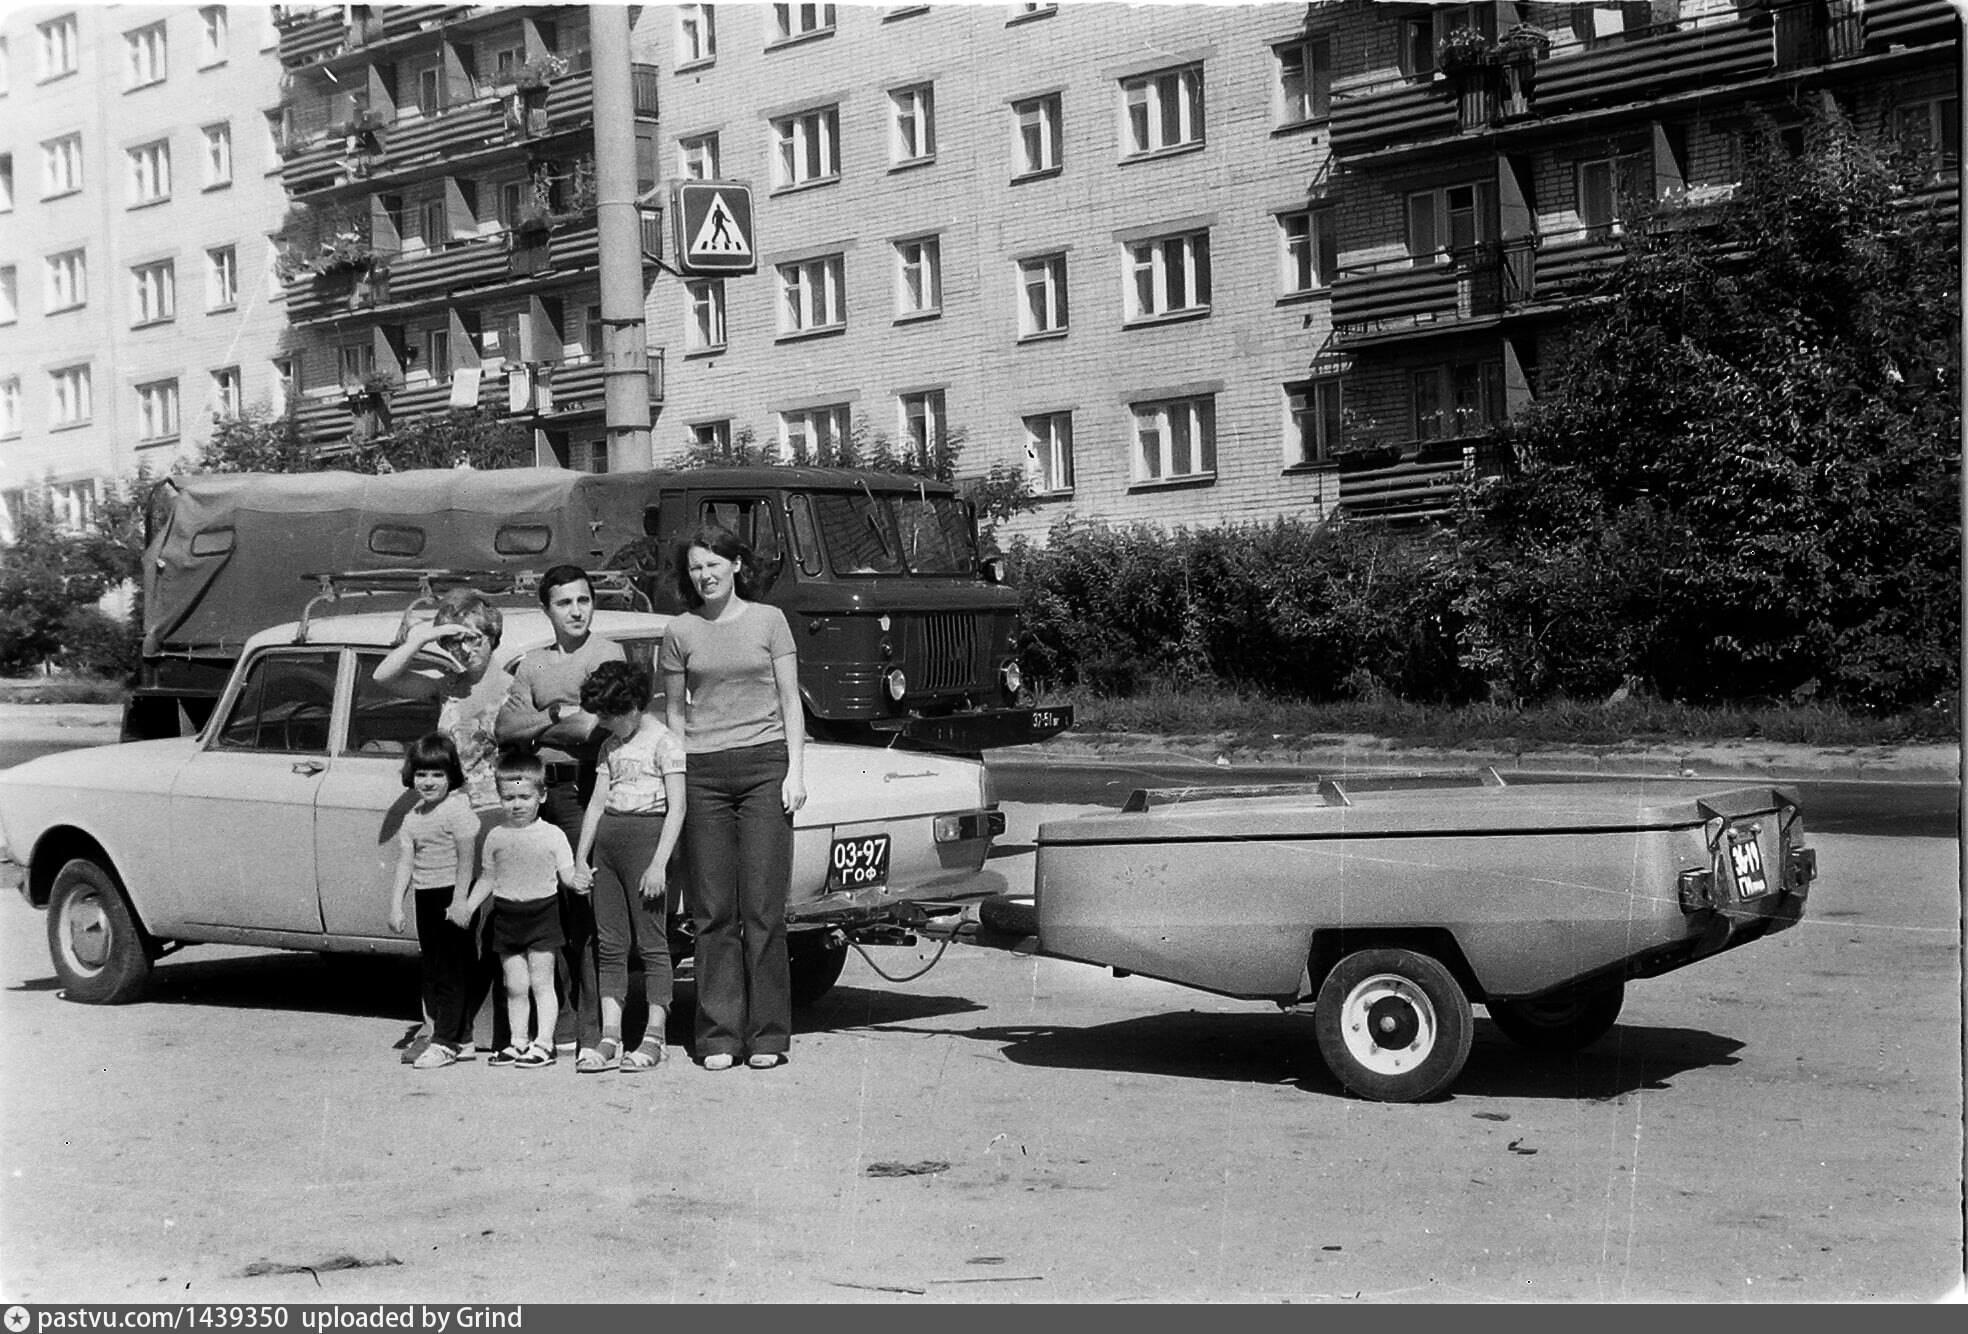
1740 479
51 576
258 441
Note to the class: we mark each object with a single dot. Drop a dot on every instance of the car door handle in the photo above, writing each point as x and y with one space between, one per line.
308 768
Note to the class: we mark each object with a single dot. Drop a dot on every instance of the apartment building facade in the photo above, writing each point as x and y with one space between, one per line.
1486 184
1088 240
137 189
441 250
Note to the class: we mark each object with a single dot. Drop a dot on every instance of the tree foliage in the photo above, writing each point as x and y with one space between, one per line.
1740 481
259 441
51 577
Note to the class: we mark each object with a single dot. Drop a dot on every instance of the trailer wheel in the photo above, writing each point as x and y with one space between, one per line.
1558 1025
1393 1025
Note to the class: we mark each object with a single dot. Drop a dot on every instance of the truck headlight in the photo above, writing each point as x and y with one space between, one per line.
1011 678
896 682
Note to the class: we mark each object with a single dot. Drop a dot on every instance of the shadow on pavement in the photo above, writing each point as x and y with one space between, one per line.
281 980
1281 1049
876 1008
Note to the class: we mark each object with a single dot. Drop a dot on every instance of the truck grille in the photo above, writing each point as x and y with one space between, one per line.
941 656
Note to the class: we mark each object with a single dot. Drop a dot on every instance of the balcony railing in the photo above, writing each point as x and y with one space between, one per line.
1416 481
423 274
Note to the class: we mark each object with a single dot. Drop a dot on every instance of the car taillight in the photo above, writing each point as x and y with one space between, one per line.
1697 890
972 824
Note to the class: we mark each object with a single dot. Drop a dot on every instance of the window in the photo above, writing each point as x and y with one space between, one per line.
696 34
1930 132
56 54
923 423
912 127
712 435
211 35
1447 224
61 165
705 331
154 292
1608 190
6 182
74 504
813 433
697 157
1043 281
1032 11
150 172
68 394
10 406
221 277
354 362
1311 249
1049 449
1311 421
1163 110
157 410
792 21
433 222
808 147
425 90
145 48
1420 32
1168 275
919 276
1304 81
9 294
67 281
227 399
811 295
286 384
218 155
284 704
1038 122
437 354
1175 438
1457 400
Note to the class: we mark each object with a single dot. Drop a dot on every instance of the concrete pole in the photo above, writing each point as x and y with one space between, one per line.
624 354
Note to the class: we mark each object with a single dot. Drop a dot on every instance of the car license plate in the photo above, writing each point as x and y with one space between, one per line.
1746 864
857 863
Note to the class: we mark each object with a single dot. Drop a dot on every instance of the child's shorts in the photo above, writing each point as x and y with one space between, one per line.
519 926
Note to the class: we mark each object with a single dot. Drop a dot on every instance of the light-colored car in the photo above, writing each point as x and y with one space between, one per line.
1391 905
276 826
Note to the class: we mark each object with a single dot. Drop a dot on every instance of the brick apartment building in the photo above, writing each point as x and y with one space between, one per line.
1185 264
137 189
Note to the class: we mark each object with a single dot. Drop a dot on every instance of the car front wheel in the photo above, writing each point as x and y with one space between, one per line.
101 954
1560 1024
1393 1025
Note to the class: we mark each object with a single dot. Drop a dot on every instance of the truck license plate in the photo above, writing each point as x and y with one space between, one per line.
857 863
1746 865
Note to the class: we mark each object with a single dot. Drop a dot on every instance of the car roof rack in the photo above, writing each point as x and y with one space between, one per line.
1331 791
425 587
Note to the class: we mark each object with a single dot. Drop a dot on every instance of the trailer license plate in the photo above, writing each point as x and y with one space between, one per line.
1746 865
857 863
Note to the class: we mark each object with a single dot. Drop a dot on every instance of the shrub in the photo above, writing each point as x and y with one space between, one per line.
94 643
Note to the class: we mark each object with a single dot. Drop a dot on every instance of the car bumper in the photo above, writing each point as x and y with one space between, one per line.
982 729
882 903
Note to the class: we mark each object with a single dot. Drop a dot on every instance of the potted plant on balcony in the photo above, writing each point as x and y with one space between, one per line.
1462 49
1518 52
537 73
377 384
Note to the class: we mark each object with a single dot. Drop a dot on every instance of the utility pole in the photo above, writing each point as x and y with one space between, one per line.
618 220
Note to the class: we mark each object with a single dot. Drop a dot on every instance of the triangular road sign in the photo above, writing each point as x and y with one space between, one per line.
720 233
714 227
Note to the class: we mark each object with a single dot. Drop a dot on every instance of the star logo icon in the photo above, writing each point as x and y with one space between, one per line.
16 1319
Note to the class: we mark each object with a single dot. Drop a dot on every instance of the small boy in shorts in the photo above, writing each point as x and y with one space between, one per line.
526 860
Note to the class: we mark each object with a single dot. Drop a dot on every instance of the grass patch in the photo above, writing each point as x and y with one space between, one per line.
1260 722
62 690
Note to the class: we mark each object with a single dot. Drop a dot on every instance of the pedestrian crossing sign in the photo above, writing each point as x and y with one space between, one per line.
714 227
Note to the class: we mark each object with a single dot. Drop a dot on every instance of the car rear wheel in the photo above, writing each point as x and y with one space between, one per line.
1560 1024
1393 1025
816 958
101 955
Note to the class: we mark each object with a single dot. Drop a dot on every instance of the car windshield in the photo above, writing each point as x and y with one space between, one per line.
864 533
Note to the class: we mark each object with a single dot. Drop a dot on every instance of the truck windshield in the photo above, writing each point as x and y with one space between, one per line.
888 534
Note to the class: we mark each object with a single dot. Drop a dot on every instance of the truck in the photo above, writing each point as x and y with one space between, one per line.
907 633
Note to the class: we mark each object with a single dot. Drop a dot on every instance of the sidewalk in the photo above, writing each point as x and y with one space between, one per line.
97 724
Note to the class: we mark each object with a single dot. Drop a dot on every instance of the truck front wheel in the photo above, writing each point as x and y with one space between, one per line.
1558 1025
1393 1025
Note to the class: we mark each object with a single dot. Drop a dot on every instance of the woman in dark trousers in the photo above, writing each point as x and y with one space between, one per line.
731 679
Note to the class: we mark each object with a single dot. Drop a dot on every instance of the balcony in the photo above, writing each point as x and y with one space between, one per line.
423 274
1891 23
1397 298
1413 482
1653 64
556 391
1380 116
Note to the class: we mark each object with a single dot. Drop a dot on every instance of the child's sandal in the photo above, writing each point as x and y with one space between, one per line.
646 1057
536 1057
505 1056
597 1060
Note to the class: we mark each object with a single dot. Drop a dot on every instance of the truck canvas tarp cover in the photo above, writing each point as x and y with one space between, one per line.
229 553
